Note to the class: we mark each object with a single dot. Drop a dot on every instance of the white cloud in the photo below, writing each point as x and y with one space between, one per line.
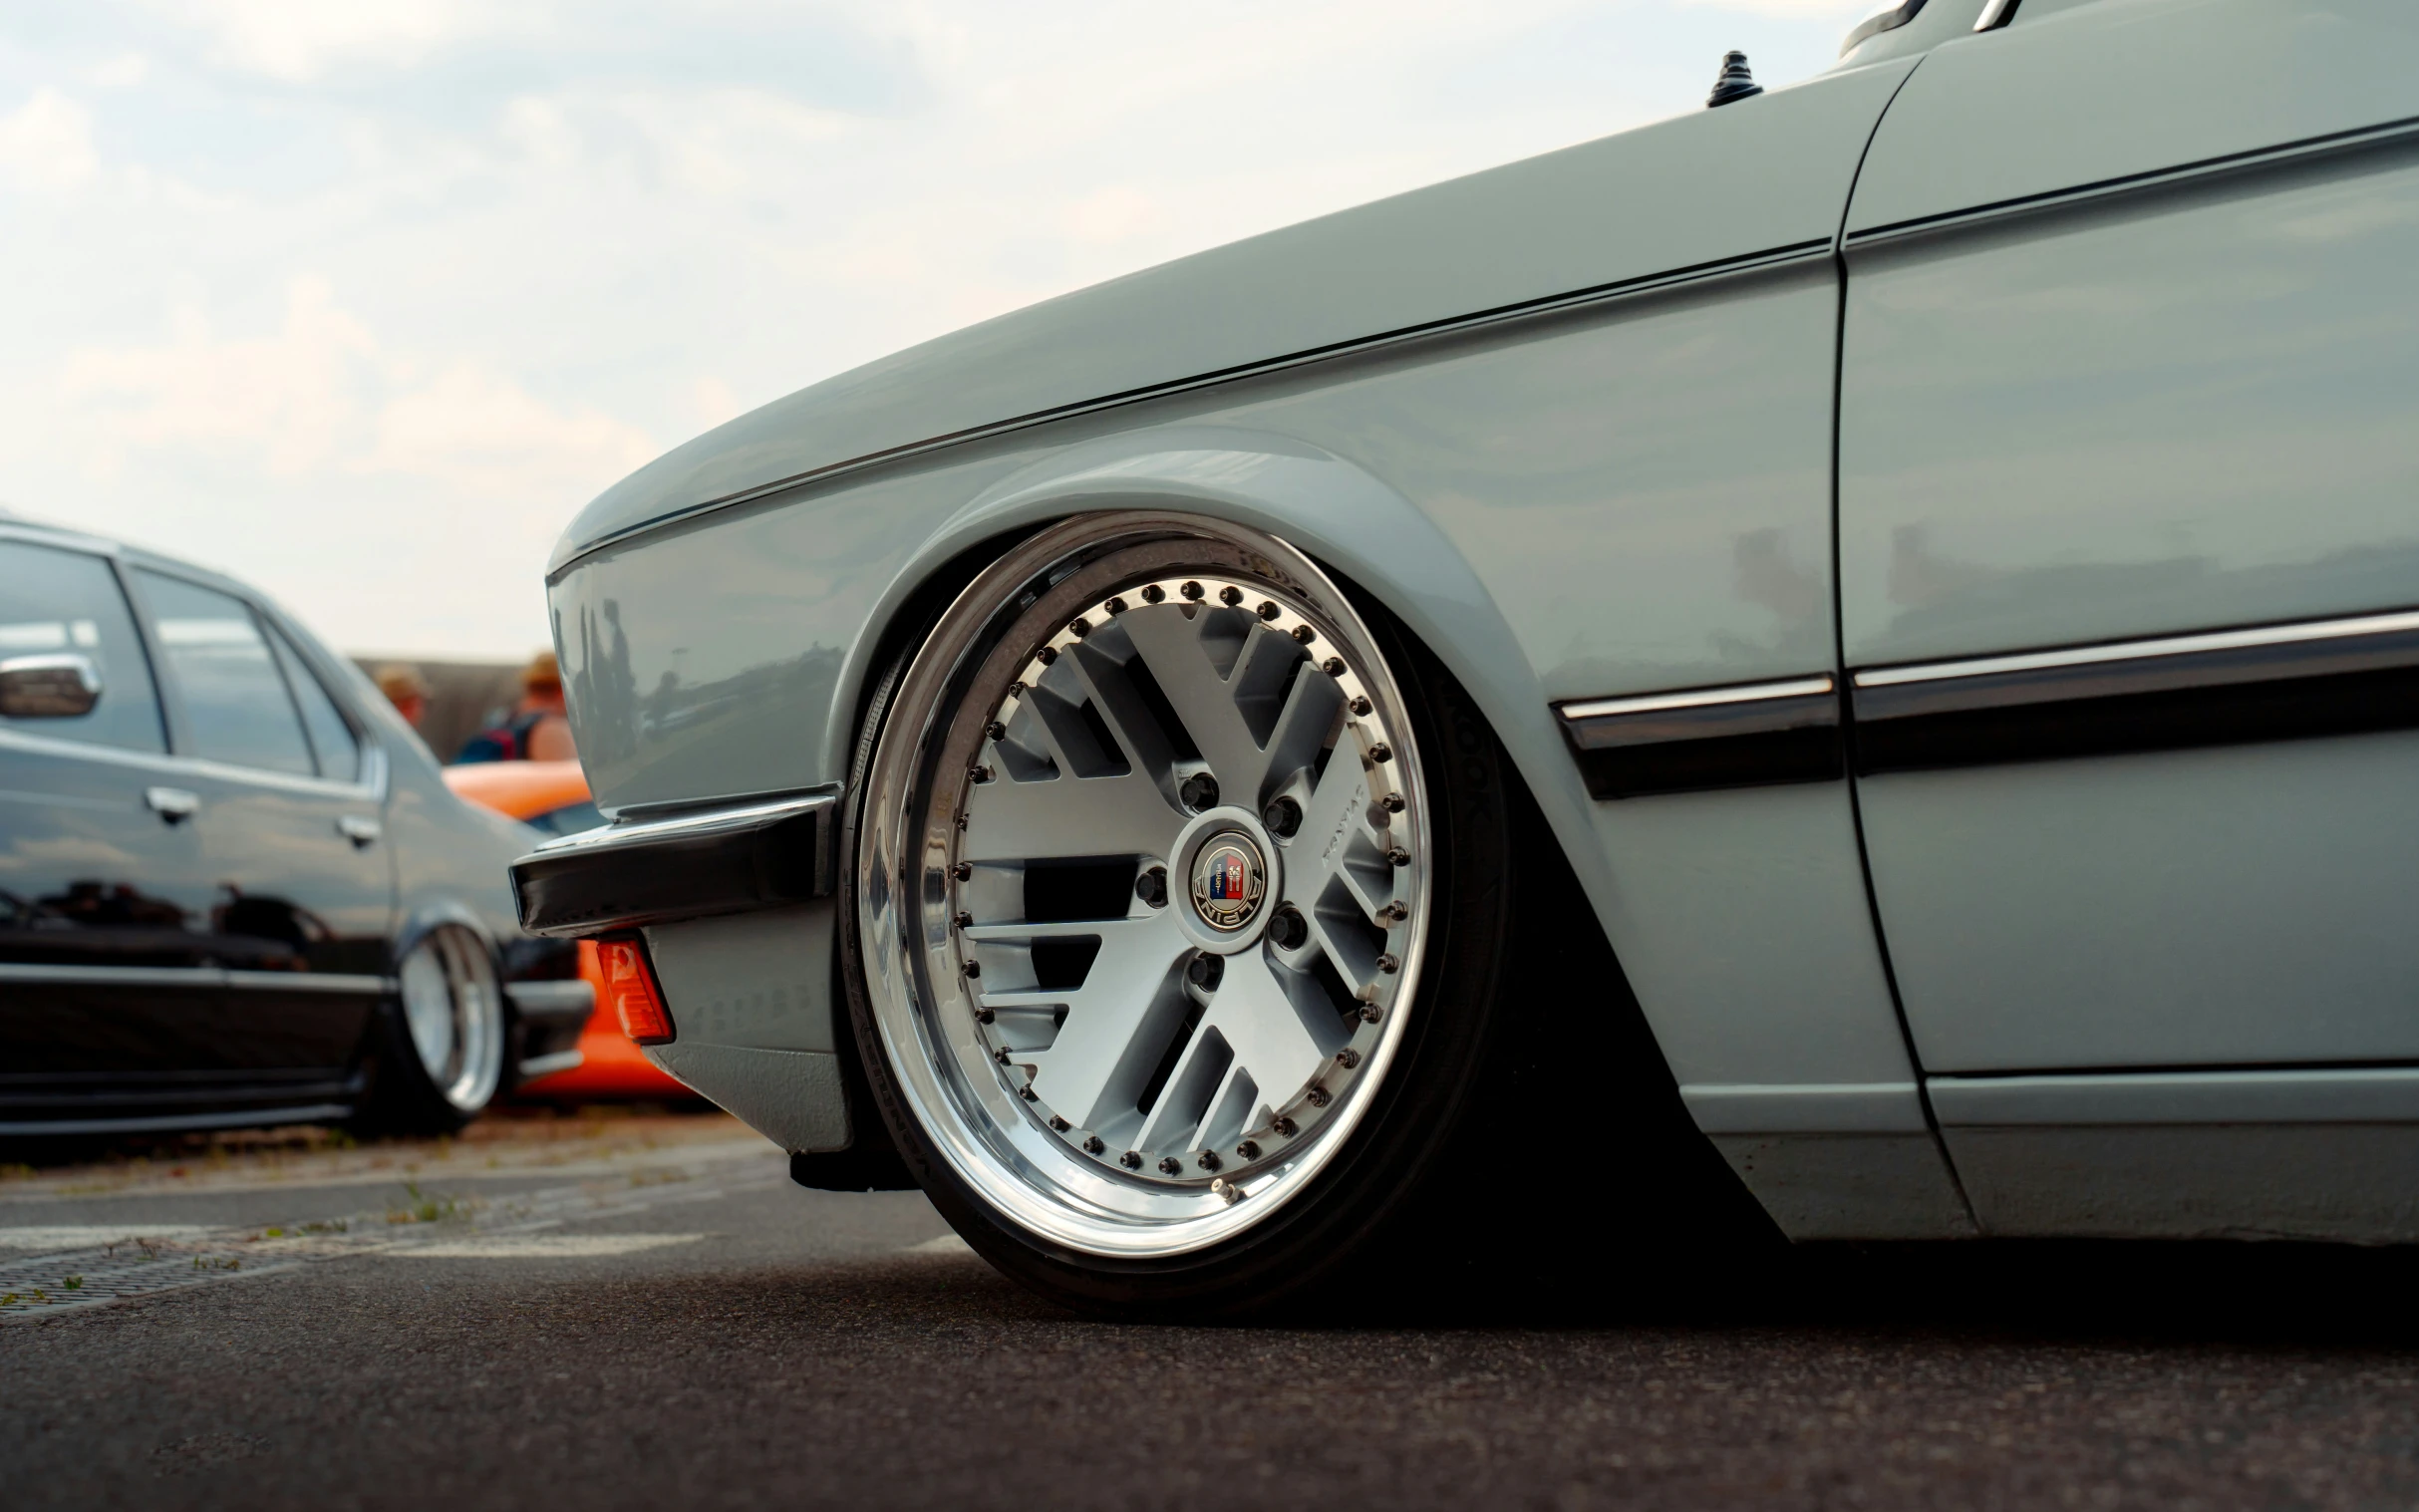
47 143
297 40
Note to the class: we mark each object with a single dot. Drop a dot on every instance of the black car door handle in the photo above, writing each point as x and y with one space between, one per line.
359 828
173 804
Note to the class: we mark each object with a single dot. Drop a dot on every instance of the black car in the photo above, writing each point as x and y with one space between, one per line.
234 888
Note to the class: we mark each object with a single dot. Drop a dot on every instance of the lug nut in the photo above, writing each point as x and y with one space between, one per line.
1270 609
1132 1160
1151 887
1190 590
1113 606
1399 857
1319 1096
1209 1161
1284 1127
1230 595
1289 929
964 871
1199 792
1282 817
1204 970
1169 1165
1155 594
1248 1151
1092 1145
1333 666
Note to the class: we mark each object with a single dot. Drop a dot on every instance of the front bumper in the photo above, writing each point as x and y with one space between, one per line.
654 867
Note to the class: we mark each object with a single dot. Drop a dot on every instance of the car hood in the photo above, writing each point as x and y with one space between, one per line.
1763 176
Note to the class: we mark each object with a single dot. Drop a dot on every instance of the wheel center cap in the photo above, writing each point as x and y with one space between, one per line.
1230 877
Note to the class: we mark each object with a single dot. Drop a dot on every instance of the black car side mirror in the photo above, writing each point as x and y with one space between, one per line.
54 686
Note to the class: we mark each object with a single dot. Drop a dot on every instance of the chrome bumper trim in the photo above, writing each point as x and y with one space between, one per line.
680 866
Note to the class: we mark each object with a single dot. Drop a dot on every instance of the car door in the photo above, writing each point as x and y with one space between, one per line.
288 817
107 978
2129 554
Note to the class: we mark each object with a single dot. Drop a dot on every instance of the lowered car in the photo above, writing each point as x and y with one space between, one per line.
1856 649
233 889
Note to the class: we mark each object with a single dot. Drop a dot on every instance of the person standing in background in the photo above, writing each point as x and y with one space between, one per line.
406 689
537 731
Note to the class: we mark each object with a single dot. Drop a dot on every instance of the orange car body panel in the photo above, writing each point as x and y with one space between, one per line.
612 1065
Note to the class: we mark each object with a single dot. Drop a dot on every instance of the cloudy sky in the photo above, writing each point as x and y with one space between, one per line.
362 300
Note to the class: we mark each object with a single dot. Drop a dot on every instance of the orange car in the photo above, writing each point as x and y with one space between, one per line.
552 798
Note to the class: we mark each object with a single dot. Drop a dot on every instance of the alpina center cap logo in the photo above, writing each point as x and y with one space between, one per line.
1229 879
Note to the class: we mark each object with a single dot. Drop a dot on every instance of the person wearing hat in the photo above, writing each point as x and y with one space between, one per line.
406 689
538 729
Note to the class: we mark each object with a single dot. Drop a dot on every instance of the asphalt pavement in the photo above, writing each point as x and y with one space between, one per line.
644 1313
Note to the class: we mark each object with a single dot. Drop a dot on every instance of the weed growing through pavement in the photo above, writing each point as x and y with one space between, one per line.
426 1209
72 1283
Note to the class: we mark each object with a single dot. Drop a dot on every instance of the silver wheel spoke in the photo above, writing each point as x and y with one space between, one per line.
1062 816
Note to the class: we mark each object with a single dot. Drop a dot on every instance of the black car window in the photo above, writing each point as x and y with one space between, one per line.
234 696
332 740
68 603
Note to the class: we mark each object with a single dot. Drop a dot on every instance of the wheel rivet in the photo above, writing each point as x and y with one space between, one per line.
1305 633
964 871
1230 594
1058 1123
1115 606
1282 818
1151 887
1371 1013
1395 912
984 1015
983 774
1209 1161
1001 1054
1289 929
1047 655
1347 1058
1190 590
965 920
1204 970
1333 666
974 968
1015 690
1380 754
961 820
1388 964
1284 1127
1029 1095
1399 857
1248 1151
1392 802
1132 1160
996 731
1093 1145
1155 594
1270 609
1200 791
1319 1096
1169 1165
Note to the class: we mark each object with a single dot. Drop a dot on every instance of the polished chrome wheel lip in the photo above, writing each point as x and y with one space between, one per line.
452 1010
1033 1176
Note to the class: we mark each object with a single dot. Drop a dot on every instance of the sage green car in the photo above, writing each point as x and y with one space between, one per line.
1870 631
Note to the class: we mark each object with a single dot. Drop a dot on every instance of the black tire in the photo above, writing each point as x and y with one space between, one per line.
1419 1192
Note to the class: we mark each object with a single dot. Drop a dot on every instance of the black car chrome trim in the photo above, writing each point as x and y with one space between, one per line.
552 998
547 1065
198 976
1649 283
1743 736
2236 687
694 863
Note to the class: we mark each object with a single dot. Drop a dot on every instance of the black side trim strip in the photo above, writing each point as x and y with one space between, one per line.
1726 740
714 862
2298 689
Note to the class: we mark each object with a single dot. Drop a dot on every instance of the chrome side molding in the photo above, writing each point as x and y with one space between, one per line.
1742 736
690 863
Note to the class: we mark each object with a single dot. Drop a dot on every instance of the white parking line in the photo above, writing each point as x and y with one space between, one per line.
542 1246
86 1236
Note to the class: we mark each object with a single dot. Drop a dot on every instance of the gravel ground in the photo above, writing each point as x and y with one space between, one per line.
648 1315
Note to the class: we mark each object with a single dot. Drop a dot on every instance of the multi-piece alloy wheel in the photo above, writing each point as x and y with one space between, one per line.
1147 880
443 1059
